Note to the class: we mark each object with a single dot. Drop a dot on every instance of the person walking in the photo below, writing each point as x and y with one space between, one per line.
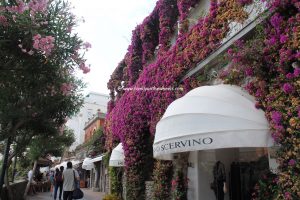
52 182
58 183
69 177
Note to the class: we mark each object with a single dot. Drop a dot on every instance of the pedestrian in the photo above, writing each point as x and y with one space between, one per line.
70 176
52 182
58 183
32 188
88 181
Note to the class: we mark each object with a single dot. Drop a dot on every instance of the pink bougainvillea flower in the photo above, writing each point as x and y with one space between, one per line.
230 52
287 88
276 117
272 41
297 72
292 162
289 76
283 39
276 21
287 196
249 71
245 2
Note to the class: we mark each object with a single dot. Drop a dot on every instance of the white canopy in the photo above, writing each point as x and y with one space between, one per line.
117 157
75 163
211 117
97 159
44 169
64 164
87 164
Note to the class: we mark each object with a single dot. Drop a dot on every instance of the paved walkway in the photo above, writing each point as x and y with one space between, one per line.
88 195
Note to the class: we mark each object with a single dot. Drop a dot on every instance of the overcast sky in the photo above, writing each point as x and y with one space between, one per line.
108 26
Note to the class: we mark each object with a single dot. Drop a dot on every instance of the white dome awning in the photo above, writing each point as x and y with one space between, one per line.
97 159
64 164
87 164
75 163
117 157
211 117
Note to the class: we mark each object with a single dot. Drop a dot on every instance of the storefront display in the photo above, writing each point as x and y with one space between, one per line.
219 183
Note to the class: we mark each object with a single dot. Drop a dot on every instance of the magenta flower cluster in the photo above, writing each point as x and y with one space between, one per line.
274 61
134 114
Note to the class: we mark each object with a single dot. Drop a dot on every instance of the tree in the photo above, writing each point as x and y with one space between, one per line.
39 56
96 144
42 145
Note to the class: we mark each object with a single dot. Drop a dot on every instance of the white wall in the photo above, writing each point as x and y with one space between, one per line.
92 102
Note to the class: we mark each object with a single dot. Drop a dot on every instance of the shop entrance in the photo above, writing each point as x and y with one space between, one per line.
243 167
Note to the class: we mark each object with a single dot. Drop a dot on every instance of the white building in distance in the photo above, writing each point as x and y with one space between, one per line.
92 103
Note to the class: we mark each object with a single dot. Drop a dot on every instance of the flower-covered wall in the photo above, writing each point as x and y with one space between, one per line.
267 65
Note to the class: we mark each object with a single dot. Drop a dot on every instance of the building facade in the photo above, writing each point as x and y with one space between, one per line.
93 103
215 84
96 122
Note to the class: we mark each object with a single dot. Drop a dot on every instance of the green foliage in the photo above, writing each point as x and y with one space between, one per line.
32 85
96 143
115 174
162 176
105 158
266 188
179 186
111 197
54 145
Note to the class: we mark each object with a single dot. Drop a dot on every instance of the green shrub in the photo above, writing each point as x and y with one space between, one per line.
111 197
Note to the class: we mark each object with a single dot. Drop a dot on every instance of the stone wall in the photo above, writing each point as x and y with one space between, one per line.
18 190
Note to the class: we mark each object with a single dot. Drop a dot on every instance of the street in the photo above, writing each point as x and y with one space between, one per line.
88 195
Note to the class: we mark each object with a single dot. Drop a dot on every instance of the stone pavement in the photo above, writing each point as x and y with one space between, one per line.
88 195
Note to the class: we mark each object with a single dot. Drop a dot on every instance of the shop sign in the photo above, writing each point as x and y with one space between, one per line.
183 144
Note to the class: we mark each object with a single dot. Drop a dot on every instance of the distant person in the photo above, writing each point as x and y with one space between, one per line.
29 175
69 177
52 182
32 188
88 181
58 179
